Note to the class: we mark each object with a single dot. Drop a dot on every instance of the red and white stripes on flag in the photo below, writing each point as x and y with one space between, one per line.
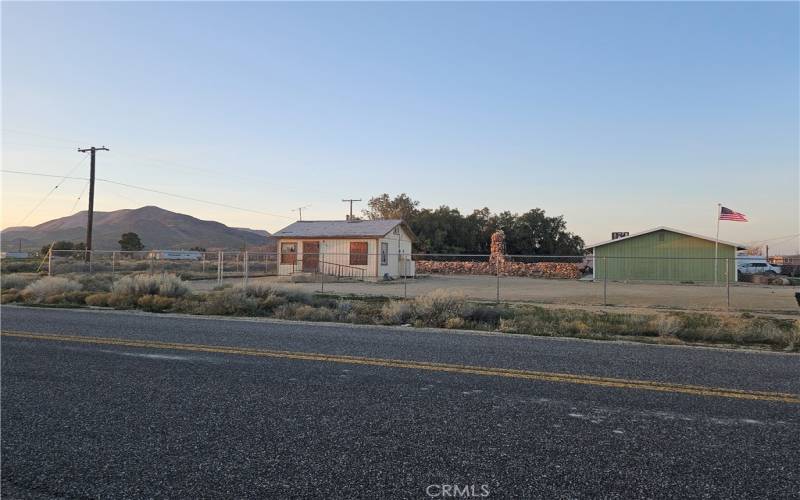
728 214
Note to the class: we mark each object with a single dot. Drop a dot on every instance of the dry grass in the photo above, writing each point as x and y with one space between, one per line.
17 281
137 285
39 290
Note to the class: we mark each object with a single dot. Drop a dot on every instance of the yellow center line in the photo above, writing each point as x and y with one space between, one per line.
427 366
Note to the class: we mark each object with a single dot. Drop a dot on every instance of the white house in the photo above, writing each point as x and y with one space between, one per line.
346 248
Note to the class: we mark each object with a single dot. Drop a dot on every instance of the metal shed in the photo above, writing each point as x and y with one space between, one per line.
665 254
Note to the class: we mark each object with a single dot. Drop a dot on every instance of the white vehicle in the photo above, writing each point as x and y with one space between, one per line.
758 267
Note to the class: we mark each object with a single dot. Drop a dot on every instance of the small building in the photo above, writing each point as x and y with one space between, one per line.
358 249
175 255
664 254
14 255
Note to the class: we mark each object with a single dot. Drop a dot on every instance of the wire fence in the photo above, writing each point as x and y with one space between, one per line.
678 282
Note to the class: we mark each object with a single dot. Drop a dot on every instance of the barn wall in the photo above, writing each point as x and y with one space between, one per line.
663 256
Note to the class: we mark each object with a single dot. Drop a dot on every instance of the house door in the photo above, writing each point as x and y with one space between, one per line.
310 256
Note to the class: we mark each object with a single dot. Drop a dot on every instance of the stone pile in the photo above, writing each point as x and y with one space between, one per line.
560 270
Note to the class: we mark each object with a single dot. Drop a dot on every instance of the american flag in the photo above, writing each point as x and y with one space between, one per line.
728 214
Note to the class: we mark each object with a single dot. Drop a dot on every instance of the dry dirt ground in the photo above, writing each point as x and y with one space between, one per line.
743 297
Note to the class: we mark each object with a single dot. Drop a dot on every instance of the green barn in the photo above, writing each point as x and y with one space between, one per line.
664 254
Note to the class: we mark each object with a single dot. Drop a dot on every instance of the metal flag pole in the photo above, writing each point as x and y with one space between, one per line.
716 244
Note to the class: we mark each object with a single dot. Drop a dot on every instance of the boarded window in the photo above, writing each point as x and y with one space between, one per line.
358 253
384 254
288 253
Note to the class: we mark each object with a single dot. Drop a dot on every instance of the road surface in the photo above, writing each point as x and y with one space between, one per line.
115 404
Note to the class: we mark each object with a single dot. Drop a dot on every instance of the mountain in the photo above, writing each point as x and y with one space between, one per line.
156 227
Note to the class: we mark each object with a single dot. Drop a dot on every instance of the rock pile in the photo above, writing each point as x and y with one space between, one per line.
560 270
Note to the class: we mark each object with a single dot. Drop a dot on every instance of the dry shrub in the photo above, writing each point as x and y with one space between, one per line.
436 307
396 313
305 312
228 302
155 303
258 290
98 299
455 323
118 301
17 280
39 290
507 325
9 297
167 285
667 325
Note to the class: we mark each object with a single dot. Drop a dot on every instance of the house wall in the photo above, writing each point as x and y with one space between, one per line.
663 256
332 251
337 251
399 251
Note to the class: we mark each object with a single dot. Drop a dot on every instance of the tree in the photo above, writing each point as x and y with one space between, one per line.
399 207
446 230
130 242
63 245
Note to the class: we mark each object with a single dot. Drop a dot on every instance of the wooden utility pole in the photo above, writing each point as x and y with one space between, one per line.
300 210
351 207
90 215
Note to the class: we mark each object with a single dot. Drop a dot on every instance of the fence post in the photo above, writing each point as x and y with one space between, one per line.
728 282
497 271
50 261
244 267
605 280
221 266
405 278
113 264
321 265
204 263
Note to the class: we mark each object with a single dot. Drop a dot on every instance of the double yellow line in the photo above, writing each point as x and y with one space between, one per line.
646 385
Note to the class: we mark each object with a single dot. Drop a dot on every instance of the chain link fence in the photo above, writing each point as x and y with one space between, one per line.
681 283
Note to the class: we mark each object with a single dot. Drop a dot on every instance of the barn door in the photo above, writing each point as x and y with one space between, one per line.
310 256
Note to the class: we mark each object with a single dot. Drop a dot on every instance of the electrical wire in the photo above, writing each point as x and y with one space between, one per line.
46 196
142 188
79 197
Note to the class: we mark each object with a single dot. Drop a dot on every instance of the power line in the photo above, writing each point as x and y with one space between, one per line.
79 197
46 196
142 188
351 206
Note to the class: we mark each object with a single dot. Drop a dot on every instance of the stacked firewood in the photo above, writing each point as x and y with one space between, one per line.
562 270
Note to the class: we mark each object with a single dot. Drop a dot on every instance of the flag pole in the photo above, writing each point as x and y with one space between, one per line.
716 243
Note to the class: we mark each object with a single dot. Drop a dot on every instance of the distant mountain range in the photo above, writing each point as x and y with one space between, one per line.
156 227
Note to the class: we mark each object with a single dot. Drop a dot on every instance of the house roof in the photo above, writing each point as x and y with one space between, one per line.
738 246
342 229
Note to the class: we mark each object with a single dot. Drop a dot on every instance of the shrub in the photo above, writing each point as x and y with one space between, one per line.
456 322
228 302
51 285
16 280
271 302
222 286
95 282
436 307
258 290
305 312
155 303
119 301
9 297
167 285
396 313
98 299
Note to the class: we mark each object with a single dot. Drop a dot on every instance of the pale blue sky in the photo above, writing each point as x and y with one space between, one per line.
620 116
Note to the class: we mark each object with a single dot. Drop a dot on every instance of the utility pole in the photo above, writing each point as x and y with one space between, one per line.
90 216
300 210
351 207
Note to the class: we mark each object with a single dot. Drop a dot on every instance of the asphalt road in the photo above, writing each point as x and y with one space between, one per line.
112 405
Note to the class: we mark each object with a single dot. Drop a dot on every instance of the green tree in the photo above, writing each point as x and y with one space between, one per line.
63 245
446 230
130 242
384 207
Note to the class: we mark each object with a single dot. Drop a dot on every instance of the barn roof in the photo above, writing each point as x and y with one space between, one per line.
342 228
738 246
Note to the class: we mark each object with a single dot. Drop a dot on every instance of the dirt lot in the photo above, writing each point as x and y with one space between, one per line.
744 297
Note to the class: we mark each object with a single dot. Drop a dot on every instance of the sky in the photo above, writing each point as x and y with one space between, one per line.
618 116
